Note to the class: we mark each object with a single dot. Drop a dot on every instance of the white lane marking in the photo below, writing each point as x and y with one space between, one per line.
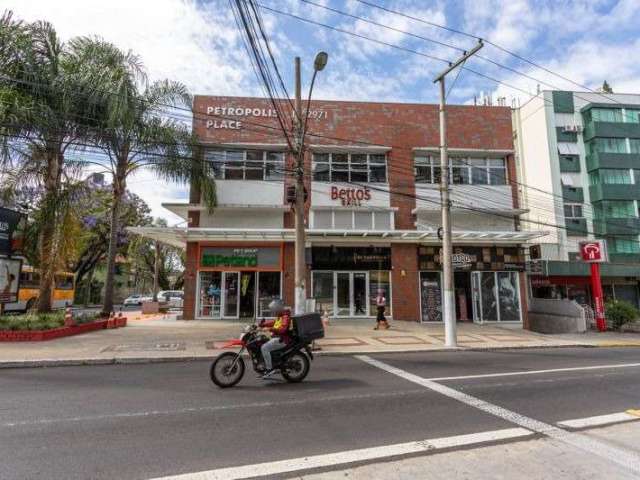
598 420
534 372
181 411
352 456
625 458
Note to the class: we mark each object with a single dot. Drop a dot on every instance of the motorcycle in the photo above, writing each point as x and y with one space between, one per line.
293 361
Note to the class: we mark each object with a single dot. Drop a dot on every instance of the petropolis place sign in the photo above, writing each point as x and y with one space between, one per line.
230 118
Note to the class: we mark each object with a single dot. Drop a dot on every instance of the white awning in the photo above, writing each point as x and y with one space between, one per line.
568 148
178 236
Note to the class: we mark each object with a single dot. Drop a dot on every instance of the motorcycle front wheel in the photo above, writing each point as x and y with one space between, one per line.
296 367
226 371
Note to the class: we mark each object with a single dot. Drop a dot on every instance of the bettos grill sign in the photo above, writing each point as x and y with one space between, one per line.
351 197
230 118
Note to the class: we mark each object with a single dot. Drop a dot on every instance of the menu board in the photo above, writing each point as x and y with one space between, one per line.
431 299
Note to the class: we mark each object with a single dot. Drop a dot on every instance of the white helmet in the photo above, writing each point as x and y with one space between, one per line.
276 306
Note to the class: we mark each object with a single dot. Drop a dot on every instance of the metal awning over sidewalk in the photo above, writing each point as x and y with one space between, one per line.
179 236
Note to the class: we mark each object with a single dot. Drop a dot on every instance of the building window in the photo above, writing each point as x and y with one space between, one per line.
619 245
245 164
607 115
615 209
352 220
573 210
611 176
608 145
463 171
634 145
350 167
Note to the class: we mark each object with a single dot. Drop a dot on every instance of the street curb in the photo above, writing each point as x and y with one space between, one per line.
192 358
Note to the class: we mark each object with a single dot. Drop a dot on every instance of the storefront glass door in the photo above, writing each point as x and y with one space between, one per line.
230 294
210 295
359 297
342 294
496 297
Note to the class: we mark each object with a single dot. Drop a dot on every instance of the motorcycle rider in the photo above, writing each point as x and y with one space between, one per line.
279 329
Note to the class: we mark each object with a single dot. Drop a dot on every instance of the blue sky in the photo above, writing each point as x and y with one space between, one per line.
196 42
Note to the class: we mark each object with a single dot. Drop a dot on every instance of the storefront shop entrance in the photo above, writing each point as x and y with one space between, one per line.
486 283
345 280
237 282
237 294
342 294
479 296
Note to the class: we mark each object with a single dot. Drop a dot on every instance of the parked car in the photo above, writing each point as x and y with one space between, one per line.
171 298
135 299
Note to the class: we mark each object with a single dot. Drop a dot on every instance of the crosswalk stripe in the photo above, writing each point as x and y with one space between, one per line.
623 457
353 456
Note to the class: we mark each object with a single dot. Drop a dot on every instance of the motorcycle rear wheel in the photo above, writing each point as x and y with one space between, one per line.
224 373
296 368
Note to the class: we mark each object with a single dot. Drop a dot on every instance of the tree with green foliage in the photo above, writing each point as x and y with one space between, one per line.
137 131
606 88
40 119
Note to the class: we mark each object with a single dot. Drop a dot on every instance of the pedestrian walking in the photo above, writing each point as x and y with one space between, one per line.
381 305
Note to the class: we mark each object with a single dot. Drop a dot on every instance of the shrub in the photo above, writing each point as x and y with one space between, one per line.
619 312
41 321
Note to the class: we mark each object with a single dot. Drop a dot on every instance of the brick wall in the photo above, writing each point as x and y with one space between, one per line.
404 282
190 273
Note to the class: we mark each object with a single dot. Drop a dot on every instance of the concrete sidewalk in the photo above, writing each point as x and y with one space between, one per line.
163 338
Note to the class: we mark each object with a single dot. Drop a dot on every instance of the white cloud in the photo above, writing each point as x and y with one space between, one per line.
176 39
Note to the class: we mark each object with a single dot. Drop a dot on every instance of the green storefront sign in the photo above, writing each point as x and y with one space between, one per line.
220 257
229 260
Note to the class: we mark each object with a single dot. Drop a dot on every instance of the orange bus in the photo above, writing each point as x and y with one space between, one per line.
61 296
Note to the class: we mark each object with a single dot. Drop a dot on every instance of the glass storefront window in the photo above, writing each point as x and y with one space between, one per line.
323 291
268 289
210 295
488 294
379 280
509 296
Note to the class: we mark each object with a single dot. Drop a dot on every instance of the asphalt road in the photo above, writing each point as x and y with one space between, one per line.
145 421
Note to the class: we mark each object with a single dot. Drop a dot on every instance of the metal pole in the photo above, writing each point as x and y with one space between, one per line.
449 313
449 316
300 265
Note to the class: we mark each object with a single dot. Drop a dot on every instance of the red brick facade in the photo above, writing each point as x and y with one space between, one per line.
400 127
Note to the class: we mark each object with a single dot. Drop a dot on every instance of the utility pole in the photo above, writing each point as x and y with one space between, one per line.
449 313
300 270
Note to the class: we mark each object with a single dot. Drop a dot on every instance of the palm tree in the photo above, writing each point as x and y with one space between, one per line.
42 116
137 130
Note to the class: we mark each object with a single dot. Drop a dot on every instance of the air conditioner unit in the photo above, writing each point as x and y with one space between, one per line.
571 129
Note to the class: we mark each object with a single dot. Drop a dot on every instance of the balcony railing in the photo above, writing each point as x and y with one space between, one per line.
611 130
612 160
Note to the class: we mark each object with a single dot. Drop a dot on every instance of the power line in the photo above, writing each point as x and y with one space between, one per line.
196 116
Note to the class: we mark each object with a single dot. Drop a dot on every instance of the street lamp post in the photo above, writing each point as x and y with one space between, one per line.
300 131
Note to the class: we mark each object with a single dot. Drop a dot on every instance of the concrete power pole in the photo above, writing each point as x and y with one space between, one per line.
300 265
449 313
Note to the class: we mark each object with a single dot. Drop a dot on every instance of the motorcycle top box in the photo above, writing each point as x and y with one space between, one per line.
308 326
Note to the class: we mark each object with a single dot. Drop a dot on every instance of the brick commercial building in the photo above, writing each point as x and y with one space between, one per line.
373 212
